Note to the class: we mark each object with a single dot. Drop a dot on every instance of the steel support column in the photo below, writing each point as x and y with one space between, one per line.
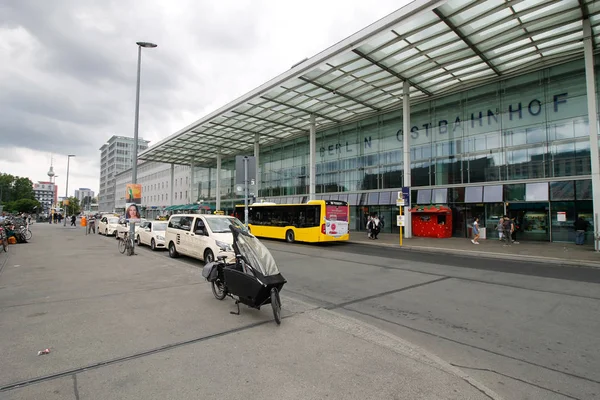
257 158
406 147
189 196
588 50
172 183
312 158
218 194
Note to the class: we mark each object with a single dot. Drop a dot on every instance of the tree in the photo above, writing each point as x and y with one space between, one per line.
13 188
23 205
73 207
6 183
22 189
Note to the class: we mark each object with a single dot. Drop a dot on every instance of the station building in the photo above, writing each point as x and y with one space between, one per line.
488 102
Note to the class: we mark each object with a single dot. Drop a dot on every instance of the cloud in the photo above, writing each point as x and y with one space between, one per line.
69 83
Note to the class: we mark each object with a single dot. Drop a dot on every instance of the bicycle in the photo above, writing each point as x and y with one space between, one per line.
126 245
26 232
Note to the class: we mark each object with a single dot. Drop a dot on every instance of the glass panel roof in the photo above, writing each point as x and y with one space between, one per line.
438 47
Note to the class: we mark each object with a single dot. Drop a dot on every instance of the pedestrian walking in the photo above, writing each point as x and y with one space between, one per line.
370 227
475 231
73 218
507 229
376 227
581 226
500 228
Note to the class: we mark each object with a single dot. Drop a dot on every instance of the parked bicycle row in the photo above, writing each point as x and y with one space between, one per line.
14 229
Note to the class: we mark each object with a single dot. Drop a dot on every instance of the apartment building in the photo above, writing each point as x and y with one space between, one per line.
115 157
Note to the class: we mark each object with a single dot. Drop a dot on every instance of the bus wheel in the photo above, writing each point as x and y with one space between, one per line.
289 236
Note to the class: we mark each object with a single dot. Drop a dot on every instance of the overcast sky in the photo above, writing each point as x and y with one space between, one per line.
68 68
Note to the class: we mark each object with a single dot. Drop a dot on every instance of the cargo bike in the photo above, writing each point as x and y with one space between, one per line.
252 278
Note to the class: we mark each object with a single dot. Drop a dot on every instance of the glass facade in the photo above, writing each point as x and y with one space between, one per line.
531 130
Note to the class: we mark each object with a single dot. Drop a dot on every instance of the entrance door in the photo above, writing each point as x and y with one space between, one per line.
532 220
459 222
472 211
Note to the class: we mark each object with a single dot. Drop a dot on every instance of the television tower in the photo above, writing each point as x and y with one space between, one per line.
51 174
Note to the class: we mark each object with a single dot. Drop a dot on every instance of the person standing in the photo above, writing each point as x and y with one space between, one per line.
475 231
91 224
581 226
514 228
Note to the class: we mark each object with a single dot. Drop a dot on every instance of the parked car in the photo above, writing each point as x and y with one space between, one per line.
201 236
152 233
108 225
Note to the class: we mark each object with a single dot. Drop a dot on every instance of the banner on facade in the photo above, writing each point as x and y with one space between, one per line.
133 193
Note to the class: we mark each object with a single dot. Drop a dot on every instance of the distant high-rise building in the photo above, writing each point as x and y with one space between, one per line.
85 196
46 193
115 156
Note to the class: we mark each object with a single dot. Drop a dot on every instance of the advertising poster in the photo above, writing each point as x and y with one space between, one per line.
132 212
133 193
133 199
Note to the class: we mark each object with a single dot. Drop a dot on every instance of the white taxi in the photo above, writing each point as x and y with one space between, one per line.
108 225
152 233
201 236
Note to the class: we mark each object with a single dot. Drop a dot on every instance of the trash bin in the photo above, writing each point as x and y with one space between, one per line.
482 233
83 221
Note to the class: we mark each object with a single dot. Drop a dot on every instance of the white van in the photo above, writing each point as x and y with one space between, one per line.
200 236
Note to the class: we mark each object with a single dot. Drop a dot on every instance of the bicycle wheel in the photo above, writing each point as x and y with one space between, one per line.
129 247
28 234
122 246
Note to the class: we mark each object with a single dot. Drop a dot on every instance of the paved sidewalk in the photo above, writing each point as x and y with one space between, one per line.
567 254
148 327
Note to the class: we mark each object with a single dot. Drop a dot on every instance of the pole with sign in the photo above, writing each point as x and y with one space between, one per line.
245 179
400 220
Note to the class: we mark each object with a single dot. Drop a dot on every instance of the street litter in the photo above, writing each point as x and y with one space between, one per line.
42 352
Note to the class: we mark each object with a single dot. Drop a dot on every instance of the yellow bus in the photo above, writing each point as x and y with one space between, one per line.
315 221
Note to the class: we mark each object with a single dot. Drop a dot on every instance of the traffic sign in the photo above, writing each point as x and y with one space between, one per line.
400 220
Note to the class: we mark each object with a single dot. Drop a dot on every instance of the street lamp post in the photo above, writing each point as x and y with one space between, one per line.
135 128
67 186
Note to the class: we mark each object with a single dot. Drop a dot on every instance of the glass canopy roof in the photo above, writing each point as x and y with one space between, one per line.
439 47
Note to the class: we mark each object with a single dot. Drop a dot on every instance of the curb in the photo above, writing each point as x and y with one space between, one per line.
481 254
394 343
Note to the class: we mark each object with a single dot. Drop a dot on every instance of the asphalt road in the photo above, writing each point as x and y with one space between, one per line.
526 330
148 327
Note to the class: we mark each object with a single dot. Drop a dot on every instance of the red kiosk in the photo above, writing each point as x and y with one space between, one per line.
432 221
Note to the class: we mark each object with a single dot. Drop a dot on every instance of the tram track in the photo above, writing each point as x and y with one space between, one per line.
142 354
